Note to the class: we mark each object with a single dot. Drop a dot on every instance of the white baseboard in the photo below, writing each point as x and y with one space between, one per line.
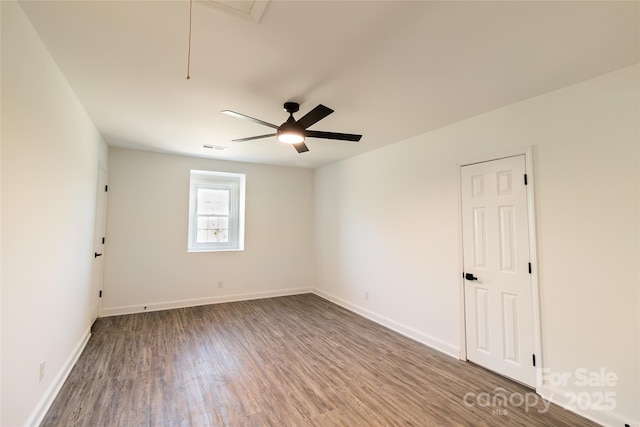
414 334
142 308
49 396
605 418
555 395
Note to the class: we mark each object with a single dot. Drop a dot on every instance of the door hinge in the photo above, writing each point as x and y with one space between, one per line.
534 359
529 268
106 188
100 294
525 179
103 240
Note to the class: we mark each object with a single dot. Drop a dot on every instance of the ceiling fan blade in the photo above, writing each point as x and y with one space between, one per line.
333 135
251 138
242 116
314 116
301 147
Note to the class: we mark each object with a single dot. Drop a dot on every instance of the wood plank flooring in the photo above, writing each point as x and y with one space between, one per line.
289 361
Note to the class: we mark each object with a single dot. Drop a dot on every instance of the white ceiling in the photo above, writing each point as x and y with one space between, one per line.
389 69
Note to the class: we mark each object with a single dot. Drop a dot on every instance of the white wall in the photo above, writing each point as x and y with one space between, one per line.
384 222
49 166
387 223
147 263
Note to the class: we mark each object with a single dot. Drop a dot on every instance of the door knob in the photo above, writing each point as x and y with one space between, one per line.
96 254
470 276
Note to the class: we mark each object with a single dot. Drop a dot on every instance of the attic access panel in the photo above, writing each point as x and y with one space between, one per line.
251 9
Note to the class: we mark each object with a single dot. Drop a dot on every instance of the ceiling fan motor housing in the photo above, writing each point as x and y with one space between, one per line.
291 107
290 132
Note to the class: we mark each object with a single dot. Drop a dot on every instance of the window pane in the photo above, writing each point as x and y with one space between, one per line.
212 229
212 201
213 223
223 222
217 236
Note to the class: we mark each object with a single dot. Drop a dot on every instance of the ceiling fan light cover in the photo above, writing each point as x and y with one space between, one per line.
290 134
290 138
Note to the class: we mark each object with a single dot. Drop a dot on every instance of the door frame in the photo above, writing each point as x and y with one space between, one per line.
533 253
99 278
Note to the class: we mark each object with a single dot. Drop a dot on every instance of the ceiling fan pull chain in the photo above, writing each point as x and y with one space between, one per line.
189 49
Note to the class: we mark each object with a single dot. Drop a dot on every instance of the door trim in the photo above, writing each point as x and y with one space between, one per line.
533 253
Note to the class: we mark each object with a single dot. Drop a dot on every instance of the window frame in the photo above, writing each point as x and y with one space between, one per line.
235 184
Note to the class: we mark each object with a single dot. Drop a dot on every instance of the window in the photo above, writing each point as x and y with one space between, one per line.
216 211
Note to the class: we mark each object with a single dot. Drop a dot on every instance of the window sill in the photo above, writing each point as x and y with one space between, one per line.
216 250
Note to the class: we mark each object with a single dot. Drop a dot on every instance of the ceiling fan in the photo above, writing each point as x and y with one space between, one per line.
295 131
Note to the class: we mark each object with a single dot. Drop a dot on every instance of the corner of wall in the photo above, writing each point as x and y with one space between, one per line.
426 339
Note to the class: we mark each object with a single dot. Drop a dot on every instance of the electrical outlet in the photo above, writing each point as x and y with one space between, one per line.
42 366
366 295
219 284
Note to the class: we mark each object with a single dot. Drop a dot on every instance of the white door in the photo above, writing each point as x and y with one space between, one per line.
99 241
497 290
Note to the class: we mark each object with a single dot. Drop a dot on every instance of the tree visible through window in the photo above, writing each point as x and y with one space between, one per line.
216 211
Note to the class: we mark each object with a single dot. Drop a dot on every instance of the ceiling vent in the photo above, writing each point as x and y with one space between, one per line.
251 9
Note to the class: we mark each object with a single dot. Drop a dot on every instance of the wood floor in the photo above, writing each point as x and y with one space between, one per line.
290 361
